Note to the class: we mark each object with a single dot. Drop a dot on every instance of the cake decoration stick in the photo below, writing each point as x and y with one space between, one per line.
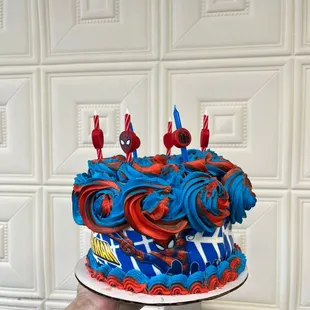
97 136
205 133
181 137
127 128
134 153
168 138
128 139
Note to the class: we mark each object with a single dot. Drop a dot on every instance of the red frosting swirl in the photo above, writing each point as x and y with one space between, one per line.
159 289
226 277
235 263
178 289
233 276
149 222
212 283
197 288
130 284
101 277
115 282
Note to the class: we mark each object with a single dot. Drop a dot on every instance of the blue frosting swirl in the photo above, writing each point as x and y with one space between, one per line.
240 194
205 201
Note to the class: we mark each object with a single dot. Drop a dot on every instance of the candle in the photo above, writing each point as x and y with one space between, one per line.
204 136
169 132
134 153
205 120
127 128
178 125
97 136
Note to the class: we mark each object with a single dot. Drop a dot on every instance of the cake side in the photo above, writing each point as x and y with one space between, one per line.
192 262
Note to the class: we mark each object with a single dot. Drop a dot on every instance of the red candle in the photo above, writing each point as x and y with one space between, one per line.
169 132
204 136
97 136
127 128
205 121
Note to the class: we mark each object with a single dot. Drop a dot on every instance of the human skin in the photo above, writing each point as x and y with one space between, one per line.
88 300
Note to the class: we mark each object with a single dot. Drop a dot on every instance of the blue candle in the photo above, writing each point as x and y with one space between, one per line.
178 125
134 153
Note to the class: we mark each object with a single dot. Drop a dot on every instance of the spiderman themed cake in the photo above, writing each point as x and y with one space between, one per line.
162 225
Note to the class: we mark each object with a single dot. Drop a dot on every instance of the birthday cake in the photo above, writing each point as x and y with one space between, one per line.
162 225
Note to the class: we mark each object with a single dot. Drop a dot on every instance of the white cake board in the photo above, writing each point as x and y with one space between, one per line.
103 288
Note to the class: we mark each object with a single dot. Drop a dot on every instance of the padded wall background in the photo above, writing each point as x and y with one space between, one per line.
247 61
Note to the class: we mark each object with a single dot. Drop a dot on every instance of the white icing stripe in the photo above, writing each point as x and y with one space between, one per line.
197 241
214 240
227 232
156 270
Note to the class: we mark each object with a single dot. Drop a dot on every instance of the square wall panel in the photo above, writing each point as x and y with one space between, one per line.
53 305
18 304
19 127
73 97
97 11
263 237
300 249
302 26
19 32
248 103
227 122
109 120
301 139
20 243
99 30
226 28
63 238
233 8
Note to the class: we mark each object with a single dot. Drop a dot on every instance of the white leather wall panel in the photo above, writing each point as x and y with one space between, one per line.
66 243
18 32
71 99
20 243
302 38
10 304
265 235
301 140
300 249
246 61
19 127
53 305
208 28
247 102
91 30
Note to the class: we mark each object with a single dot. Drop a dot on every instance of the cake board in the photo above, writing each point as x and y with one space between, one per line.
154 301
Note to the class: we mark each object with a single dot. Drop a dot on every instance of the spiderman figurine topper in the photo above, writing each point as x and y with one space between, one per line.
129 141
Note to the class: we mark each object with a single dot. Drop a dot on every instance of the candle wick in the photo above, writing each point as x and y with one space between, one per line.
95 113
127 111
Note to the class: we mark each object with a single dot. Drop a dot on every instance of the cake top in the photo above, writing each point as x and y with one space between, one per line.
161 195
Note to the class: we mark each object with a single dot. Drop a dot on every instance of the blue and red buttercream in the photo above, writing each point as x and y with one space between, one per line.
161 192
164 284
169 202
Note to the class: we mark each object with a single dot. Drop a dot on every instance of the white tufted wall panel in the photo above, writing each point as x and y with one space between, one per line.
247 61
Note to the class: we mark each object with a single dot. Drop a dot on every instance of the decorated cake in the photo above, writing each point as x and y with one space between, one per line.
162 225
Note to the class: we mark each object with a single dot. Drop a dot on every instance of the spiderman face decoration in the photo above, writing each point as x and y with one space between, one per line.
125 140
129 141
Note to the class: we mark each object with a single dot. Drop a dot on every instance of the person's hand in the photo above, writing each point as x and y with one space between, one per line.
87 300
